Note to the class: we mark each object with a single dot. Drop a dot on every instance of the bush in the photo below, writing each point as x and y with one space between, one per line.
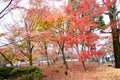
21 73
4 72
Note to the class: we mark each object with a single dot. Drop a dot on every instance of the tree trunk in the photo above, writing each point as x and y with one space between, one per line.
77 49
116 47
83 63
64 59
47 55
29 48
30 59
115 35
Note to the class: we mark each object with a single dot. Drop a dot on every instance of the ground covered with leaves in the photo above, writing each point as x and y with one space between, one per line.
76 72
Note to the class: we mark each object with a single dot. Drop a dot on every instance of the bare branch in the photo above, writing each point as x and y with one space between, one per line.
117 12
4 14
105 32
107 13
6 58
23 53
5 8
11 43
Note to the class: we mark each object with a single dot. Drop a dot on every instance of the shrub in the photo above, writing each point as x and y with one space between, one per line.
4 72
21 73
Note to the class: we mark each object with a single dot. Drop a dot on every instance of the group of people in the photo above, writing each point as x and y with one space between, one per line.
107 58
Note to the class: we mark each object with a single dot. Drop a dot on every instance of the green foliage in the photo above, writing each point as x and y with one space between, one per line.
100 22
21 73
67 25
5 72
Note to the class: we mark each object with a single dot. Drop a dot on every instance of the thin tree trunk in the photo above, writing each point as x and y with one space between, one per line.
77 49
29 48
84 67
83 63
64 59
30 59
61 46
47 55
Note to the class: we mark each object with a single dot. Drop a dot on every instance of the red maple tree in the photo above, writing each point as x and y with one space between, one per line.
81 28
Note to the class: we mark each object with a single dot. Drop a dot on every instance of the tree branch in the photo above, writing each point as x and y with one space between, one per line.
6 58
117 12
4 15
107 13
105 32
5 8
11 43
24 53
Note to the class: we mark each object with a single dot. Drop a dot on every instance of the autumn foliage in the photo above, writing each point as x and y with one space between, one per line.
68 30
82 24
